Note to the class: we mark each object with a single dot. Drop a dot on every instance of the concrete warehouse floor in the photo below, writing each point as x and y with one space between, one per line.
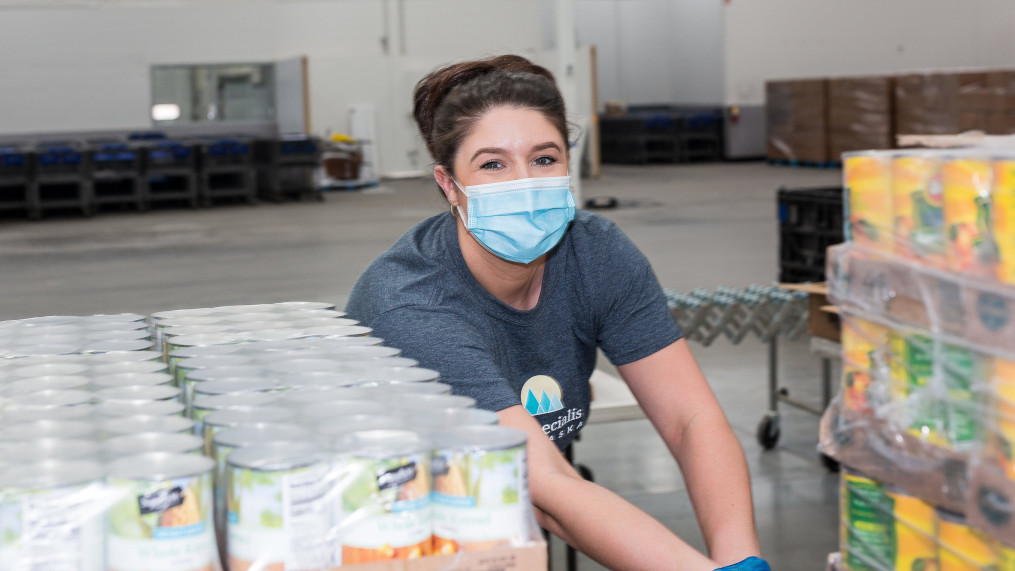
700 226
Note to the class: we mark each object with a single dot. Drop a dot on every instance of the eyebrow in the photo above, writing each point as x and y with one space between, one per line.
498 150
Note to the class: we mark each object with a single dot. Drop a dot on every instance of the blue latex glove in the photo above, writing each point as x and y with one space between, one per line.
749 564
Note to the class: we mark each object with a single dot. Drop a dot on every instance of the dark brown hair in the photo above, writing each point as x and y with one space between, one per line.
449 101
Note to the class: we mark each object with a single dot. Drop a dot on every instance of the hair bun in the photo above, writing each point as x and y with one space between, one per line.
432 89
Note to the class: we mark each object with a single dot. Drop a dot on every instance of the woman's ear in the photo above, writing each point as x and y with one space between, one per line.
447 184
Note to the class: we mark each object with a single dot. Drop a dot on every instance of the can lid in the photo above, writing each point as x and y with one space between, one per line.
111 345
116 335
51 474
16 414
147 423
181 341
48 383
346 331
430 402
249 434
302 395
116 356
131 393
237 416
479 438
386 390
122 367
306 305
381 443
389 362
44 399
212 361
216 373
47 429
128 379
339 408
233 400
301 366
363 352
204 351
273 456
360 422
398 375
320 379
39 449
46 370
230 385
130 444
133 408
452 417
182 314
159 466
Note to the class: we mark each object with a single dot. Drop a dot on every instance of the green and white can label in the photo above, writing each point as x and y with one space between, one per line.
162 525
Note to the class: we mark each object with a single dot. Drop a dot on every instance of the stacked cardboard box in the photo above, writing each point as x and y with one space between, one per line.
859 114
797 120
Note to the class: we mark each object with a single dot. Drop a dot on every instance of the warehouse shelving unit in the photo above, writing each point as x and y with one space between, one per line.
116 174
662 133
15 178
226 169
62 179
170 173
285 167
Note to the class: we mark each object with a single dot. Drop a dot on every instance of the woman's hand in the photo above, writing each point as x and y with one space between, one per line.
676 397
591 518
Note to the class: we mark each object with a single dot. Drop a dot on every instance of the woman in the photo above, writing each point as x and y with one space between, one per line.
509 295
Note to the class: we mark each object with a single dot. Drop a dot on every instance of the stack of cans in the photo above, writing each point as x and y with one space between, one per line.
266 435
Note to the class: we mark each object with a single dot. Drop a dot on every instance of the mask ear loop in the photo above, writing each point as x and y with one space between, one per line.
455 207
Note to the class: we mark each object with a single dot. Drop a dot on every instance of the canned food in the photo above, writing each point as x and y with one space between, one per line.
152 408
444 418
216 374
404 375
235 385
138 393
128 379
46 370
862 342
142 423
319 381
143 442
51 448
276 499
385 510
480 490
310 395
17 414
117 345
341 331
163 522
334 430
1002 197
118 356
50 383
430 402
48 429
912 366
184 367
233 417
205 405
915 532
962 548
385 391
307 306
868 524
966 187
867 178
51 516
1002 440
124 367
337 409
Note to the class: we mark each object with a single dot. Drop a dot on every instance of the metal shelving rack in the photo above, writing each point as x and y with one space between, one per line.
15 178
226 170
285 167
62 179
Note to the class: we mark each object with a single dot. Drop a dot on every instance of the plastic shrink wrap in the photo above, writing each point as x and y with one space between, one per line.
924 425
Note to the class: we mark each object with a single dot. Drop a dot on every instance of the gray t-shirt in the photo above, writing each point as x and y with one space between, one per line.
598 290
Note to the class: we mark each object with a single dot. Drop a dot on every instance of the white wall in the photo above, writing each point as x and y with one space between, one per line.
655 51
775 39
87 67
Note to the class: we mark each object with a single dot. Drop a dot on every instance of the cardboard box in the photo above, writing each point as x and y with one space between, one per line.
822 317
531 557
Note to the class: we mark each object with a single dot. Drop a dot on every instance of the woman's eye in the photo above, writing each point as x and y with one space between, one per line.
545 161
490 165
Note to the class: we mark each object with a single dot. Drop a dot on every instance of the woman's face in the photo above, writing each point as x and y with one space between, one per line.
507 143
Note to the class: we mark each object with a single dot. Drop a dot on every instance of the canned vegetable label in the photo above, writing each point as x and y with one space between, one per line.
868 528
861 342
966 186
915 529
867 178
963 548
1003 199
916 202
162 525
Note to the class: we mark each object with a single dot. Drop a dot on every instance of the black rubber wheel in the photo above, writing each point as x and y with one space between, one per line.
768 432
830 464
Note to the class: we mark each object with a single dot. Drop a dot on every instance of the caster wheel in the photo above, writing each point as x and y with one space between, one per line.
768 431
830 464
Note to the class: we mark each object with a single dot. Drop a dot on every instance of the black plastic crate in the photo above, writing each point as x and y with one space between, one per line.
225 152
14 162
167 154
115 157
60 158
810 220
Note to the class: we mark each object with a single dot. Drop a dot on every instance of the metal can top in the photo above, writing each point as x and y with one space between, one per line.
16 414
303 322
135 408
183 313
160 466
135 393
305 305
380 443
181 341
359 422
249 434
205 351
48 383
125 367
116 335
326 410
216 373
53 398
303 366
385 391
451 417
234 400
238 416
478 438
277 456
113 318
46 370
343 331
212 361
106 325
431 402
128 379
303 396
131 444
116 345
320 379
120 356
147 423
50 474
39 449
232 385
36 429
363 352
398 375
383 362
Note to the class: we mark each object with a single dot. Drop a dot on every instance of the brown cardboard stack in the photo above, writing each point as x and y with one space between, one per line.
859 114
797 120
927 104
1000 102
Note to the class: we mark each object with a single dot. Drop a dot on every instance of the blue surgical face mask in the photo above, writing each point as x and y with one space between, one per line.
519 220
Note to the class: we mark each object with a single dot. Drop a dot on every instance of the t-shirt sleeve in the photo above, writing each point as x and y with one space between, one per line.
449 344
635 319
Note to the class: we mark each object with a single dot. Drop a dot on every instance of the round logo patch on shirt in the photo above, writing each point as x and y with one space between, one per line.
541 394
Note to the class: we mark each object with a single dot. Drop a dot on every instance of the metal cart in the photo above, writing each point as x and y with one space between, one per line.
170 172
116 174
285 167
62 179
226 169
15 178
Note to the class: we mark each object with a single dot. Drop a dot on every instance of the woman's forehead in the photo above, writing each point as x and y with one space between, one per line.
512 129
